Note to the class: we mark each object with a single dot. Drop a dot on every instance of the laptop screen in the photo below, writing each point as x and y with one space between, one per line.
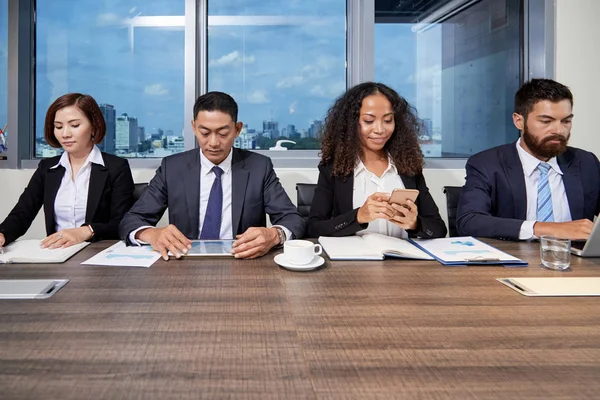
578 244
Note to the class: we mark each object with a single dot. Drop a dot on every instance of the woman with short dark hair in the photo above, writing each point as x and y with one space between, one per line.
85 192
369 147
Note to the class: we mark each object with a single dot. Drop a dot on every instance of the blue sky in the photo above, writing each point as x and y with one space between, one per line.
290 73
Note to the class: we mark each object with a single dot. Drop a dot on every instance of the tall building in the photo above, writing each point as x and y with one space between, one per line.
141 134
271 129
315 129
108 144
291 131
127 134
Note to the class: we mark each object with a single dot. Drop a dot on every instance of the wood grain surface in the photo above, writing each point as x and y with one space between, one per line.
225 328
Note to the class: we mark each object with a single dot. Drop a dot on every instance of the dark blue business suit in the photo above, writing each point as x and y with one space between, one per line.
493 202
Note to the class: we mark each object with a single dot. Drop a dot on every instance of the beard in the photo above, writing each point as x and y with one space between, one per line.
542 148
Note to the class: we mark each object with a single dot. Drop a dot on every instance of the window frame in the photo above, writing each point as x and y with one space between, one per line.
537 61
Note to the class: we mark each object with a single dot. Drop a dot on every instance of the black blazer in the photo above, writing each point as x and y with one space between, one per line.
493 202
109 198
332 213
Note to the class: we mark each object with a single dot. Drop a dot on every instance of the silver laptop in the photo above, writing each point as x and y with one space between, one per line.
590 247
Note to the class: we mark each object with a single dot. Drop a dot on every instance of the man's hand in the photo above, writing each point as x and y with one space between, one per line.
255 242
2 239
66 238
376 206
166 239
406 215
574 230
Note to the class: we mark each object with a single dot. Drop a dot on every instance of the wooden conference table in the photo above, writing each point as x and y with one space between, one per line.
224 328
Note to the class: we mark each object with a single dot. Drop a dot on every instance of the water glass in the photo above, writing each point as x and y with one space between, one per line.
555 252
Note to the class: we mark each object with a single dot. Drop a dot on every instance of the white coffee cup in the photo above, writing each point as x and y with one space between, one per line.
300 252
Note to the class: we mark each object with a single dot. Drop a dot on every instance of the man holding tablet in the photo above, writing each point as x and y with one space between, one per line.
216 192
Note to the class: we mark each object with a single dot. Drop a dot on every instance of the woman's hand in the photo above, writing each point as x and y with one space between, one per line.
376 206
405 215
66 238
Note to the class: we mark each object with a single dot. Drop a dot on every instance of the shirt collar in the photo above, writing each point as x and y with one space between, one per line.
206 165
530 163
360 168
95 157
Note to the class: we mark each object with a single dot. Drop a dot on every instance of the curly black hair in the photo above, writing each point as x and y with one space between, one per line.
340 142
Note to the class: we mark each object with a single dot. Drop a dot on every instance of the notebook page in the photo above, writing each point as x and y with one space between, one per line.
29 251
394 246
348 248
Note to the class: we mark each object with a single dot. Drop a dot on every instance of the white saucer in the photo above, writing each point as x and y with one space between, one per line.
316 262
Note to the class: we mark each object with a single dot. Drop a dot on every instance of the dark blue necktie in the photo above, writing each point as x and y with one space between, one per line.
211 228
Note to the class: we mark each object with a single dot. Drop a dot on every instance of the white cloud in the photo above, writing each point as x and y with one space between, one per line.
232 58
158 89
258 97
108 19
328 91
320 69
292 107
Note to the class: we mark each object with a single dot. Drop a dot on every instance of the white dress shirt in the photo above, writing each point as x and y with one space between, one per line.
207 177
365 184
71 199
560 203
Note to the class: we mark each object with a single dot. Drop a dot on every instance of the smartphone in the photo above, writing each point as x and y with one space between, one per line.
399 196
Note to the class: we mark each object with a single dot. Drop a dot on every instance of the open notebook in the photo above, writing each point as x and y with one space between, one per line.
29 251
370 246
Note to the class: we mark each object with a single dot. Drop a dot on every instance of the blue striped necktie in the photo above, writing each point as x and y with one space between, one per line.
211 227
544 196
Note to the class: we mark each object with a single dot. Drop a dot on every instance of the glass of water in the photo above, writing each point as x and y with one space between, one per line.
555 252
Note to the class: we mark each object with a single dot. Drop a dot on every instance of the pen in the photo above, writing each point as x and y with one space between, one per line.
516 286
482 259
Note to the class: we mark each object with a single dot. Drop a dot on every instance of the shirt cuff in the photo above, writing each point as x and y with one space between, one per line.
288 234
137 242
526 231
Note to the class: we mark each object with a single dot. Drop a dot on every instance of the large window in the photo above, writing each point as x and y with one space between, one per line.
459 63
3 76
283 61
128 55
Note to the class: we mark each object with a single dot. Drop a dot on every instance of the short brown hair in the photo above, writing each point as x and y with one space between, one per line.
88 107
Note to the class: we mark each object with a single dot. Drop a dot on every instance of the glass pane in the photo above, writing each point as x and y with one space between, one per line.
3 76
129 56
461 73
284 62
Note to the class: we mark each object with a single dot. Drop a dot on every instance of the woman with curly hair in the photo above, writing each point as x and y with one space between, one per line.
369 147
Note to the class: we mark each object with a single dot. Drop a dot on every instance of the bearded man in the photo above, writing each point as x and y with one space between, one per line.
538 185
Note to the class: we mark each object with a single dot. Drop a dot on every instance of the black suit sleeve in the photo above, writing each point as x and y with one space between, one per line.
474 214
121 198
150 207
22 215
429 222
321 221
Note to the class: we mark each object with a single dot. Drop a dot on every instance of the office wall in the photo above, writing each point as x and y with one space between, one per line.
578 66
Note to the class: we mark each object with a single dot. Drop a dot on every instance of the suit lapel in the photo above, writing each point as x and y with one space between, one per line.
98 177
516 179
192 192
53 180
239 182
409 182
572 183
